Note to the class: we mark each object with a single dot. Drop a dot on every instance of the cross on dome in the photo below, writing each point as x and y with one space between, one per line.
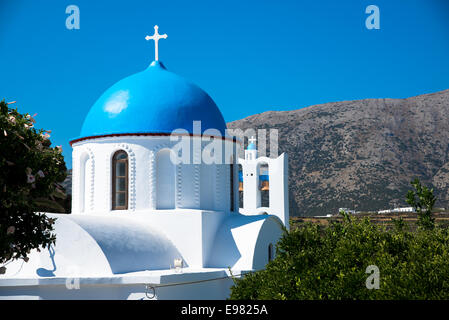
156 36
251 144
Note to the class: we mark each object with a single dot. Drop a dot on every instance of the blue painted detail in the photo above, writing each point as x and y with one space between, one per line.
251 146
152 101
262 177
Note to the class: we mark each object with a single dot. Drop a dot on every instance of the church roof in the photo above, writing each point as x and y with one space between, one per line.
152 101
98 246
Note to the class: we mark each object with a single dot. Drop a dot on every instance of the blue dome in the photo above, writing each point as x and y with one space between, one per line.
152 101
251 146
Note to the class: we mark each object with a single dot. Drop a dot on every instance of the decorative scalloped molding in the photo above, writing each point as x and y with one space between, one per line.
218 193
152 180
178 202
227 204
197 176
196 185
91 178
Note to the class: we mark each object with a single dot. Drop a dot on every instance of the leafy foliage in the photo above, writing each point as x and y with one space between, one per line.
423 200
30 173
330 262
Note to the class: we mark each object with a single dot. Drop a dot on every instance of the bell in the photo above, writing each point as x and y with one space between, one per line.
265 186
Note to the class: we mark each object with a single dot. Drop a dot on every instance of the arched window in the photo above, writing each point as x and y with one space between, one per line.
264 184
231 189
241 204
120 181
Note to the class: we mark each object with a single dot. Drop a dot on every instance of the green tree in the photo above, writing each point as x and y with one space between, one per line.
330 262
423 200
30 172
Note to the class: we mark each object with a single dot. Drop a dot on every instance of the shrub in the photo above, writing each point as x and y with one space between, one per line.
423 200
316 262
30 171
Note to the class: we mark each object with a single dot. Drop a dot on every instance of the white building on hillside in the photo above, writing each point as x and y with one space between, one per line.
347 210
144 225
397 210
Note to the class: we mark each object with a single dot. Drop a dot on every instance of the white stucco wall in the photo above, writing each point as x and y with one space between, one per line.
114 256
278 192
241 242
92 176
88 245
129 286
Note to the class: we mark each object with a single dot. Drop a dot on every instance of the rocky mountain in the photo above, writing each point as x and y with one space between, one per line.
361 154
67 183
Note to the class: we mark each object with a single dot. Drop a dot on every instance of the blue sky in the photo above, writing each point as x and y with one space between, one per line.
250 56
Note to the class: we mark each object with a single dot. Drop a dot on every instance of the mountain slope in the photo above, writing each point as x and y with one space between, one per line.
361 154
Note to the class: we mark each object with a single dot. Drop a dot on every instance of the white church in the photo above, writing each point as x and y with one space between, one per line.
144 226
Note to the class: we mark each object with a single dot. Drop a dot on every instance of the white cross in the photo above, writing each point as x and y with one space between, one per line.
252 140
156 36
